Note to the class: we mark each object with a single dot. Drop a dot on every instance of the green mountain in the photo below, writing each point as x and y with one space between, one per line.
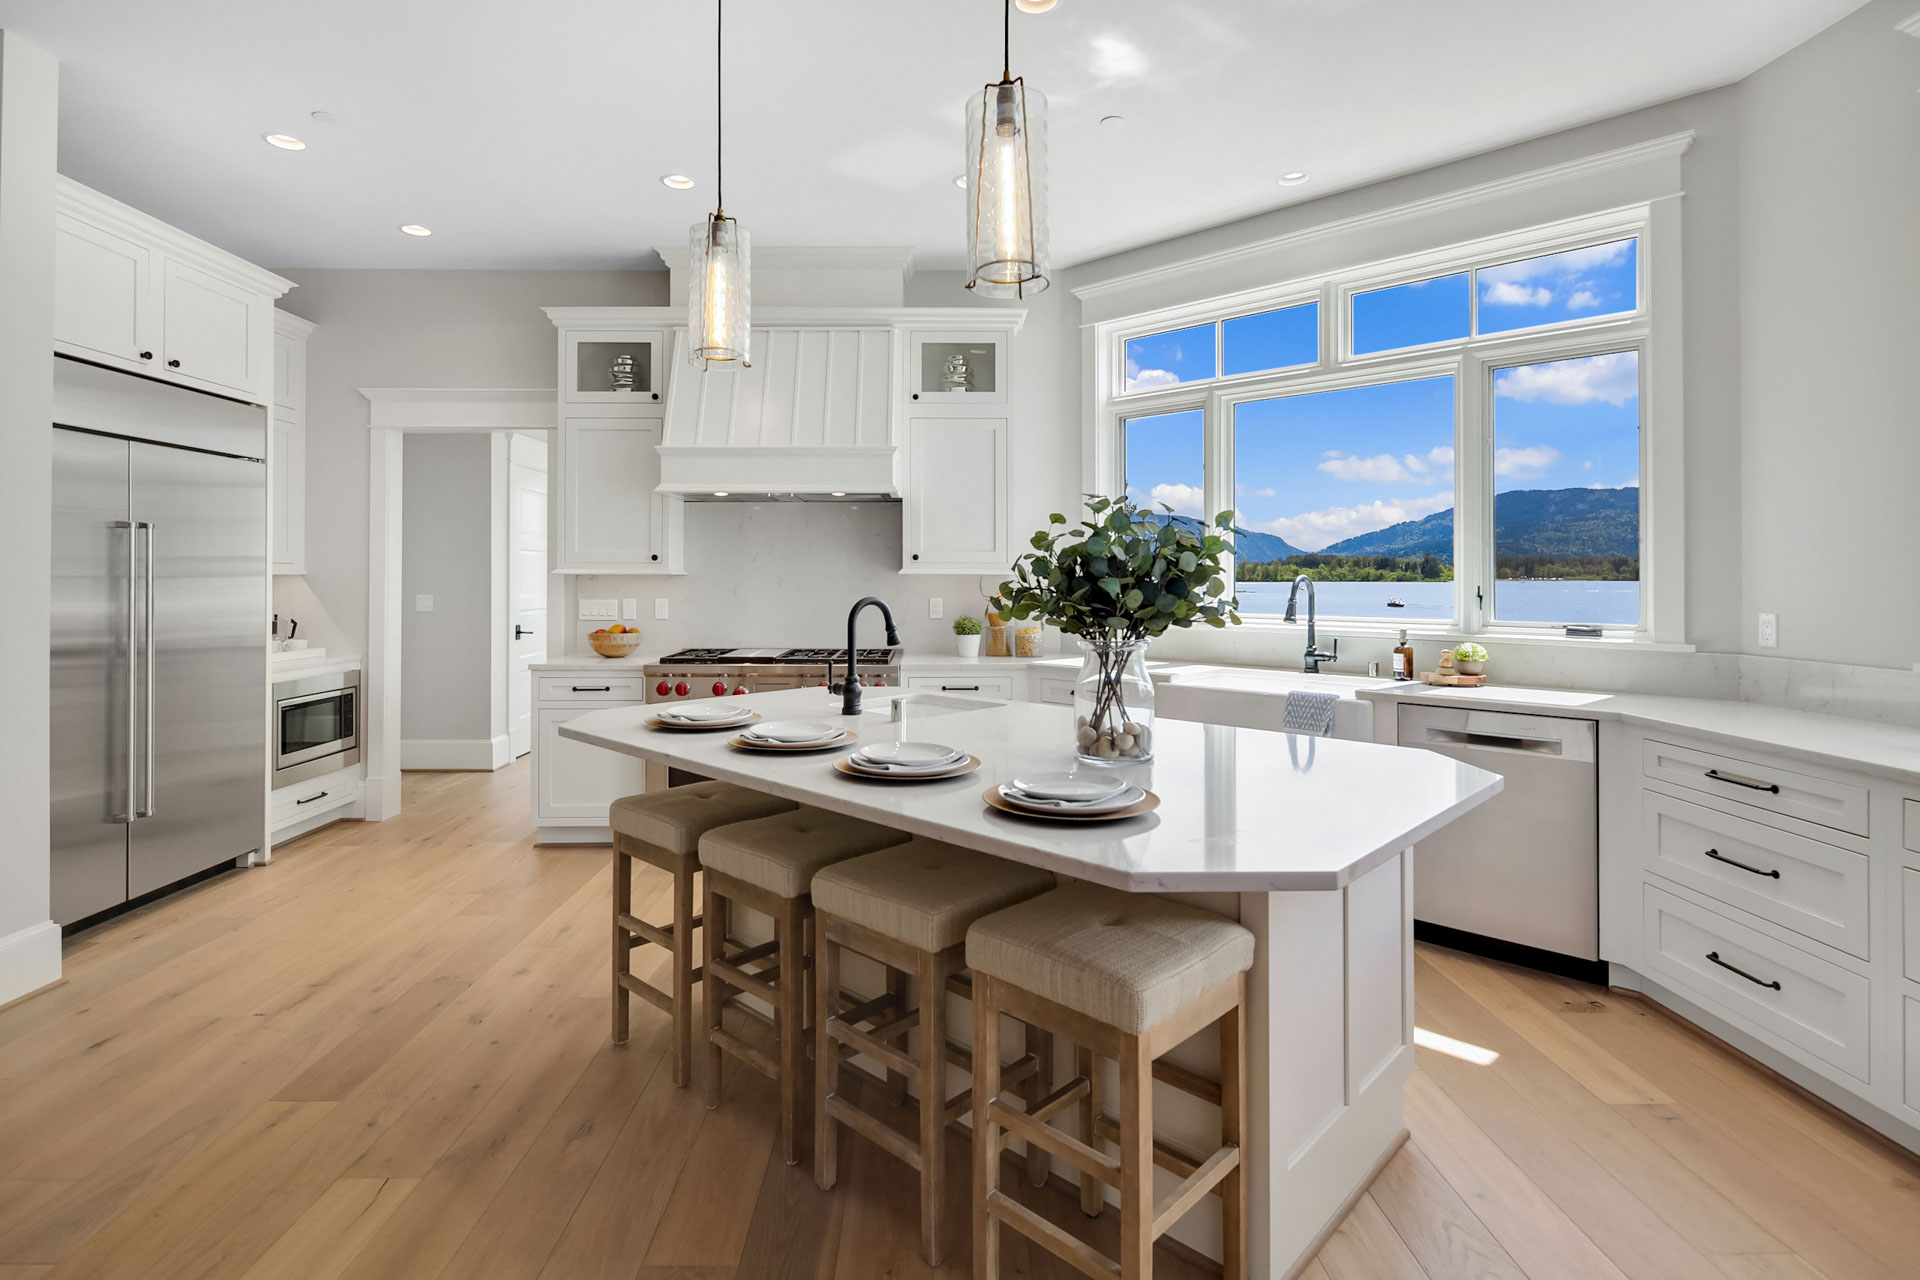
1527 522
1248 546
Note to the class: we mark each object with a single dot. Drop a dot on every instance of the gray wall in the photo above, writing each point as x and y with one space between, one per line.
447 537
1830 327
29 83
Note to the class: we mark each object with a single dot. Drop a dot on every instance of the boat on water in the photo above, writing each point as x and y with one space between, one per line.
1396 603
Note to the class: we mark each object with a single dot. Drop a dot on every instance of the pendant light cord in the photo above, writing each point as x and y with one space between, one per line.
1006 45
719 109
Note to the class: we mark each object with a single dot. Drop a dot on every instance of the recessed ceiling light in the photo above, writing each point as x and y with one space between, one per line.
720 493
1293 179
678 181
284 141
415 229
1034 6
838 493
324 117
960 181
1113 120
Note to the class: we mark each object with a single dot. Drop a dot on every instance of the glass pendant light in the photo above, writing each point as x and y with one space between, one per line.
717 294
1007 183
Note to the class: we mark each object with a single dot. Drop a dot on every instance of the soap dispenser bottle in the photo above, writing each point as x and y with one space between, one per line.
1403 658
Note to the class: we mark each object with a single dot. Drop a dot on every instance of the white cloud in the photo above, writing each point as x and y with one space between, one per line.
1438 459
1557 265
1185 499
1613 378
1526 462
1140 379
1587 465
1312 530
1510 293
1382 468
1248 491
1583 300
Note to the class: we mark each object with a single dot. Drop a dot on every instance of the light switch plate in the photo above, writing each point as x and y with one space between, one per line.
659 608
629 609
1769 631
423 604
936 607
599 610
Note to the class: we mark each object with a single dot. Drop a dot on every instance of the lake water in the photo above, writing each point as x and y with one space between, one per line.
1612 603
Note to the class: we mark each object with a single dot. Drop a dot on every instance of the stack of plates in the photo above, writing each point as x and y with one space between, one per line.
793 735
1070 793
909 760
705 715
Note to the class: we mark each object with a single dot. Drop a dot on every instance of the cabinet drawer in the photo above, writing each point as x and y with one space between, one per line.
1810 887
1910 827
628 686
1803 1000
1840 805
1910 919
302 800
984 686
1055 688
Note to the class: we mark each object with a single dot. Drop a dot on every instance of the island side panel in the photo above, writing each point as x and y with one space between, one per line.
1330 1049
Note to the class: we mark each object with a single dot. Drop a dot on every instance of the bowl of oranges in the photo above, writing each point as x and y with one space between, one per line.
615 641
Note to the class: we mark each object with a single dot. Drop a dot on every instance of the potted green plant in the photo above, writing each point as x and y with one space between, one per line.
966 630
1114 582
1469 659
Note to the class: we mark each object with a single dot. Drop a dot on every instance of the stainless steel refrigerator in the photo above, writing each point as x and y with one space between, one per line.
159 734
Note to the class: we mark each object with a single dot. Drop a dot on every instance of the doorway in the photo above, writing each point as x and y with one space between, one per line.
526 582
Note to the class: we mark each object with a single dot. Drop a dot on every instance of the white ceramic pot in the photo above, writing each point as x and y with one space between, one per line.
969 646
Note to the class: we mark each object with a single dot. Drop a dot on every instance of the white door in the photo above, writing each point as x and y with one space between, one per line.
955 508
526 584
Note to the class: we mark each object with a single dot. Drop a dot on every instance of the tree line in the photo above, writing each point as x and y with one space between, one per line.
1431 568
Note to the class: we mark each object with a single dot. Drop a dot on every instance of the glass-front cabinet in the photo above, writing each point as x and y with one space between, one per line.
614 367
952 367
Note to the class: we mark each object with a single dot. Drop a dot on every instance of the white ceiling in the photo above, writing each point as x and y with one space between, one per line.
534 134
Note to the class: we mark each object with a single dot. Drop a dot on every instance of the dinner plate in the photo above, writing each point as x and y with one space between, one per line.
965 766
910 753
795 732
691 726
904 770
1129 795
1070 786
705 713
742 741
1147 803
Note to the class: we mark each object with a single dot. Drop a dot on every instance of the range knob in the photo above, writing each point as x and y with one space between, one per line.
680 689
740 690
719 688
663 688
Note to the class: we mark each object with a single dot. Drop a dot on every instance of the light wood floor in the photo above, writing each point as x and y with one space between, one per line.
385 1056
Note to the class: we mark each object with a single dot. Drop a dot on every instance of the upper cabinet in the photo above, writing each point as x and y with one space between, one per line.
611 519
953 367
954 509
287 444
614 367
133 292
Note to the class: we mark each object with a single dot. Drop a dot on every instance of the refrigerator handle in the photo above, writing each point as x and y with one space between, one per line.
147 809
133 669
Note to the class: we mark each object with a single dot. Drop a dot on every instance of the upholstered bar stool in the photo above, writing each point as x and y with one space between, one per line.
663 829
908 908
1125 976
768 865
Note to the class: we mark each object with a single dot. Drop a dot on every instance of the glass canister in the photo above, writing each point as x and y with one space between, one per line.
999 635
1113 703
1027 638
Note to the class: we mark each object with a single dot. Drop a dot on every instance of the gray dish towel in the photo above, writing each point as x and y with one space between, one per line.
1309 713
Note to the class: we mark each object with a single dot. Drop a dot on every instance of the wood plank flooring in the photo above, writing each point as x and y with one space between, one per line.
385 1056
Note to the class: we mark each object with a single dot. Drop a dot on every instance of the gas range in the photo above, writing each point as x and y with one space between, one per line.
716 672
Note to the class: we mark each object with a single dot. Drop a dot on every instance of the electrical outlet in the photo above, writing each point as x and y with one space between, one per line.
936 607
423 604
1769 631
660 608
599 610
629 610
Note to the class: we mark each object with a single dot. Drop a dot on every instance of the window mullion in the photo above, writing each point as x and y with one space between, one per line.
1473 499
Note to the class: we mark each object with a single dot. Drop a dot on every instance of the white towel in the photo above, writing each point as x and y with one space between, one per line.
1309 713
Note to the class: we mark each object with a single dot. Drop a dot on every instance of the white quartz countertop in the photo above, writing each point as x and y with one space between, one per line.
1242 810
593 662
289 669
1887 749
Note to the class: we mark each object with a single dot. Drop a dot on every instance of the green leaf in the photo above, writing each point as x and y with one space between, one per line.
1111 586
1132 599
1188 562
1224 520
1056 518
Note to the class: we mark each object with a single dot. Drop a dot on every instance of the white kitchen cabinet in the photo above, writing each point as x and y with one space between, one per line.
287 445
587 359
611 519
981 357
573 782
955 501
133 292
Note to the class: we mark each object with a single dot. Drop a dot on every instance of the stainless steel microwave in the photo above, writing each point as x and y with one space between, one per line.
316 726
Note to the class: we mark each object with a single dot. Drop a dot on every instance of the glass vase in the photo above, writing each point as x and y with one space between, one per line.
1113 703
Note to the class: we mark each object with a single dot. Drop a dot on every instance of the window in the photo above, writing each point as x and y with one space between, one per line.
1566 506
1353 487
1168 359
1576 285
1412 315
1164 455
1271 340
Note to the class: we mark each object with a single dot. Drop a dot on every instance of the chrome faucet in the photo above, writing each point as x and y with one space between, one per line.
850 692
1314 656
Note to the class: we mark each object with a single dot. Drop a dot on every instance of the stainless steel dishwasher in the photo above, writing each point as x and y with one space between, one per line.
1519 877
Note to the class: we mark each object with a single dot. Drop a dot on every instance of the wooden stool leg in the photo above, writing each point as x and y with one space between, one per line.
790 1024
986 1133
1040 1045
826 1063
934 969
713 940
1136 1160
897 980
1093 1193
622 944
1233 1128
683 972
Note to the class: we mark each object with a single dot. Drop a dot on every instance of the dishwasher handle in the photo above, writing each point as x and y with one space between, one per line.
1495 741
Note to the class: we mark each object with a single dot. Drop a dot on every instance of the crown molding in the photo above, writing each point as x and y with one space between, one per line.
1662 148
1009 319
451 409
288 325
76 200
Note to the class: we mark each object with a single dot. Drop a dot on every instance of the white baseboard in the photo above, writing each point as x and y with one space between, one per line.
380 797
463 754
29 960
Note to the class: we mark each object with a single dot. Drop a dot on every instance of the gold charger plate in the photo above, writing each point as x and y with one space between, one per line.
958 771
828 745
1146 804
658 723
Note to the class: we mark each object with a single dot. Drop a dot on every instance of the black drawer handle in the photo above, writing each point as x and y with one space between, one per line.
173 364
593 688
317 796
146 355
1718 776
959 688
1715 957
1718 856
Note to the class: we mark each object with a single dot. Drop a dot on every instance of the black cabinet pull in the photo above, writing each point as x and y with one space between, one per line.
173 364
916 555
146 355
1715 957
656 557
593 688
656 395
322 795
1718 776
959 688
916 395
1718 856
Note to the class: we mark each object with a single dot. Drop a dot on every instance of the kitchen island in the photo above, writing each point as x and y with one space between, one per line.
1307 841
